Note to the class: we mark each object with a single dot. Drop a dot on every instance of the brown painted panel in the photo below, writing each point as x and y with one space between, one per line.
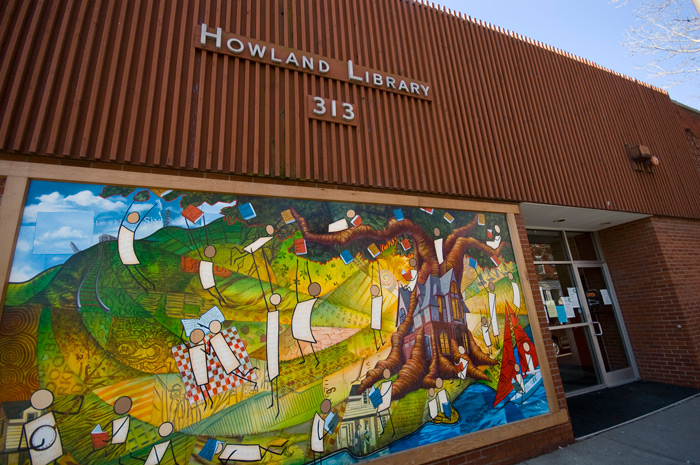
125 82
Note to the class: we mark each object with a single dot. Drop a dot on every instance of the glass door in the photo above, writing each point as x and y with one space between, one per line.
591 351
604 316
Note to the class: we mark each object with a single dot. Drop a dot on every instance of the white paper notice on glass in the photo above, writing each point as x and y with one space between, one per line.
568 307
574 297
606 297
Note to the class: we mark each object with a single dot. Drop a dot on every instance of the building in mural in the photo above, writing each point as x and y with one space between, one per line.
94 325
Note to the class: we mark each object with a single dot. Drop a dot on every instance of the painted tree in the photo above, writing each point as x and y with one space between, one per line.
418 371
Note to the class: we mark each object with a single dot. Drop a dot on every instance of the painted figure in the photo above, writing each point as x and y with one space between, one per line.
248 452
528 358
121 425
199 363
518 383
42 435
125 244
206 274
301 318
156 456
318 430
494 237
439 402
462 364
228 359
272 350
385 393
516 291
376 316
492 312
486 332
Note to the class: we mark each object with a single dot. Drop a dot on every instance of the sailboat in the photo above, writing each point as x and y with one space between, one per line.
519 370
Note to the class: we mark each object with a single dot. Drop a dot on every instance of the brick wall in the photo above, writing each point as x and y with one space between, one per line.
655 267
529 445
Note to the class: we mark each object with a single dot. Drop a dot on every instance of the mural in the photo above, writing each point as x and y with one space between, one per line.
172 327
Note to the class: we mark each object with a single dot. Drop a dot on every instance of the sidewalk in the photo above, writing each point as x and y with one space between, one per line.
667 436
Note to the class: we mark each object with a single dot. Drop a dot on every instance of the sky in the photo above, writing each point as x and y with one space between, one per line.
594 29
60 213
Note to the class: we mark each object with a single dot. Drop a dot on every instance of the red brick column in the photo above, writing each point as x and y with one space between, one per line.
655 268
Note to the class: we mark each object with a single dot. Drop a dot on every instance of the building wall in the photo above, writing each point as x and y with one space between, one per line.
123 83
655 266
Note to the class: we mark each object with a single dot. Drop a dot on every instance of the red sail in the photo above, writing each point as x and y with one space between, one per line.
507 363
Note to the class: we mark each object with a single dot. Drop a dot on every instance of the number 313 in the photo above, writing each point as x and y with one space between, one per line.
320 109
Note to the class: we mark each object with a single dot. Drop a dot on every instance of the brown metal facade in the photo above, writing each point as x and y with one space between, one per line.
122 82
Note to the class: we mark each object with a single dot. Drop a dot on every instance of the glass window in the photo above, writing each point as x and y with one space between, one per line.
547 246
559 294
444 343
582 246
454 300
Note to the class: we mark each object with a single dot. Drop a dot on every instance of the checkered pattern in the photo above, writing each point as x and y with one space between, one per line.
219 381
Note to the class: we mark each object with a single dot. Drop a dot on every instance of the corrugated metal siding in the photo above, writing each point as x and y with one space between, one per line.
122 82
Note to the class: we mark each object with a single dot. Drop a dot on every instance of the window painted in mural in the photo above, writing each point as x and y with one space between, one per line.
169 326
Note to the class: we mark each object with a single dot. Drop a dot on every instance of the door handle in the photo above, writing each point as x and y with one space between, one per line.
600 329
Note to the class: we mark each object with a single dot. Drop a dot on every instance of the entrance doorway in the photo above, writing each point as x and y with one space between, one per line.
586 327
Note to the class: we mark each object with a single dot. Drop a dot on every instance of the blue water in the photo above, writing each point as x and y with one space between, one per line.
476 412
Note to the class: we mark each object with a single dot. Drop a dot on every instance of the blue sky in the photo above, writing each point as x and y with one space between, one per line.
57 214
594 29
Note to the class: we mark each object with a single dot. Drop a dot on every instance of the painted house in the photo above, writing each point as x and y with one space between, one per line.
361 425
440 311
13 417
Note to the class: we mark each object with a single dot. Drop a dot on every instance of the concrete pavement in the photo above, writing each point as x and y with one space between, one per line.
668 436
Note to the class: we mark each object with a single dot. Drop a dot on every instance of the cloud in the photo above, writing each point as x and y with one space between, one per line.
64 232
84 200
24 246
88 199
23 274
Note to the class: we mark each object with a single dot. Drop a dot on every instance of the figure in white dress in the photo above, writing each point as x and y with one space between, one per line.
518 383
376 319
486 332
42 435
206 274
125 245
120 426
496 240
199 363
439 402
414 274
438 246
385 392
156 456
462 364
318 430
227 357
492 312
301 318
272 350
516 291
248 452
528 358
273 319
